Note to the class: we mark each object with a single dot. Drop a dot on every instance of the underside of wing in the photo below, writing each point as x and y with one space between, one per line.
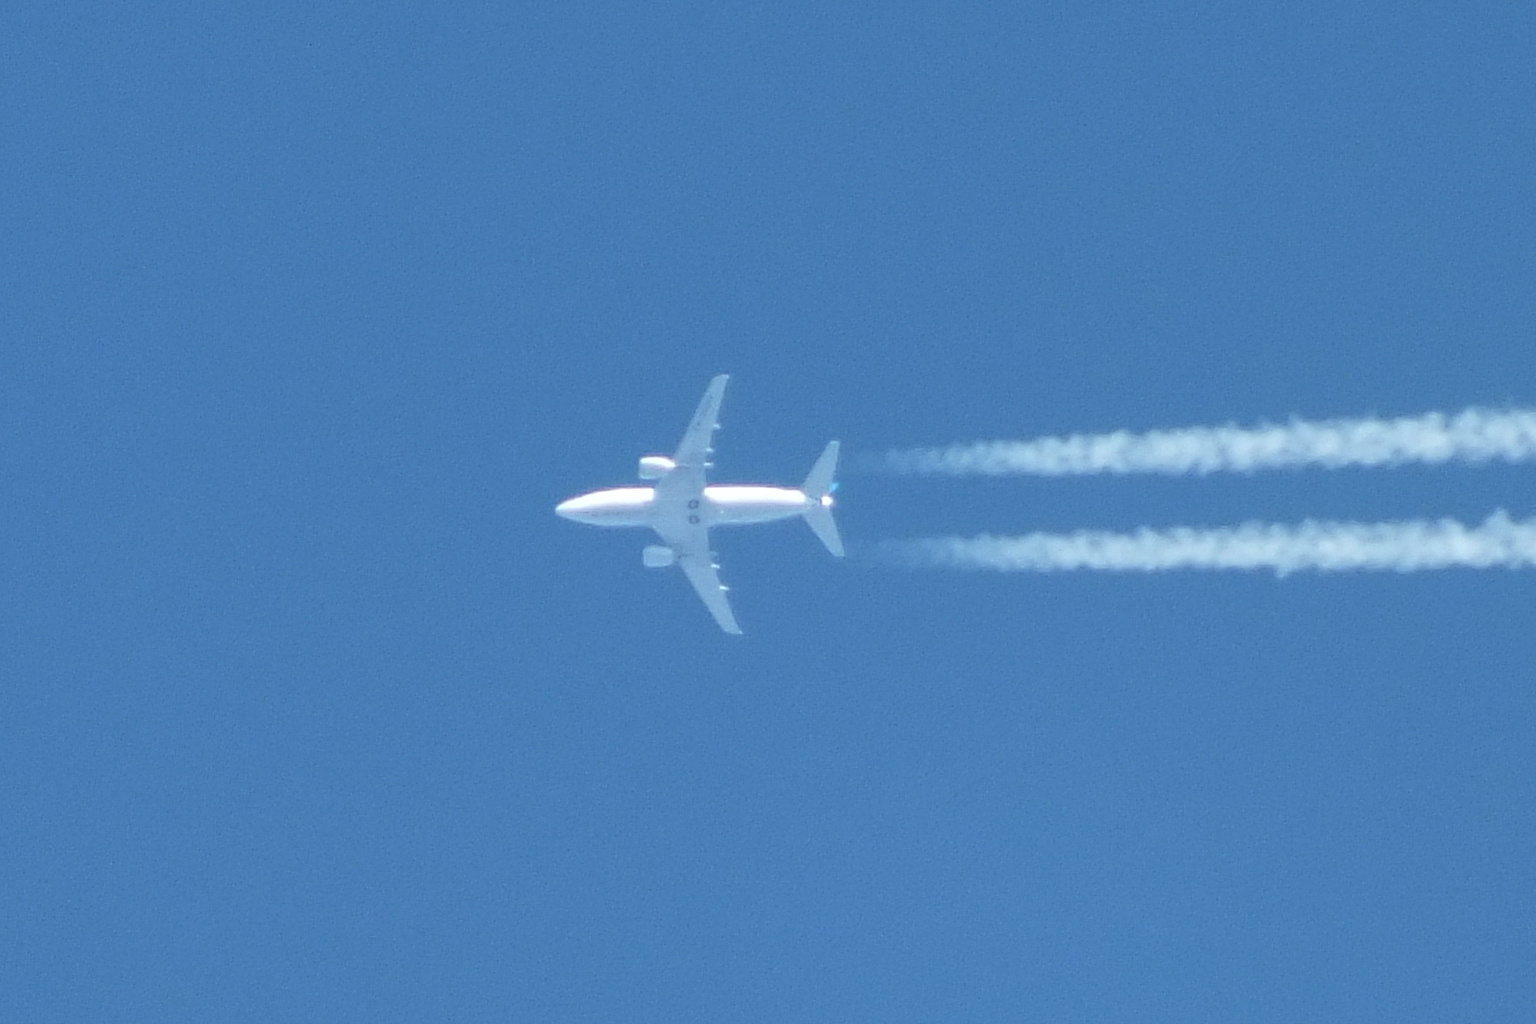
694 449
703 573
677 497
690 545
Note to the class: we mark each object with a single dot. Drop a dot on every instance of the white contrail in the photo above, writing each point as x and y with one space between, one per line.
1410 546
1476 435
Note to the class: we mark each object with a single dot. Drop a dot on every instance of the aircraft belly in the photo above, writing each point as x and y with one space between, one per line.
625 520
741 506
740 517
626 515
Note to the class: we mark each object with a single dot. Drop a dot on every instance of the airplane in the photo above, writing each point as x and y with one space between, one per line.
681 507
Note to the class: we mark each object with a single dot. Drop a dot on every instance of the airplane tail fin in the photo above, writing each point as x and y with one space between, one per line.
818 488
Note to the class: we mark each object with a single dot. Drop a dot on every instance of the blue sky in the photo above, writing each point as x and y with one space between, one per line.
312 710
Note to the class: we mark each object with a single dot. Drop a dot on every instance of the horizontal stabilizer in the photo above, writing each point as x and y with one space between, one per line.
819 518
818 482
818 488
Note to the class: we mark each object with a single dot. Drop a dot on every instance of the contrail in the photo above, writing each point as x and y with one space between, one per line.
1476 435
1409 546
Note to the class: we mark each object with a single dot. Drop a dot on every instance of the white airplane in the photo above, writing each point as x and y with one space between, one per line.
681 507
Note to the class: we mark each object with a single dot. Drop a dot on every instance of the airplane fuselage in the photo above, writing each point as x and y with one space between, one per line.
720 505
681 507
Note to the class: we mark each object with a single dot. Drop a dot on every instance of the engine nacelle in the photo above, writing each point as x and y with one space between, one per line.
657 556
654 467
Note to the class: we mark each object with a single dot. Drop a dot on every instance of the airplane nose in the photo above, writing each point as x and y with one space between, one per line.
564 509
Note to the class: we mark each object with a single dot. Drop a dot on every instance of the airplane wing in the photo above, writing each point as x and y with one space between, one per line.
694 450
690 542
703 573
681 490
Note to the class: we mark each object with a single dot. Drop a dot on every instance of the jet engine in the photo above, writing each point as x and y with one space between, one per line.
657 556
654 467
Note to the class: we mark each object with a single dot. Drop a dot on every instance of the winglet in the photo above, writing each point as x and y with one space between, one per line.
818 492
